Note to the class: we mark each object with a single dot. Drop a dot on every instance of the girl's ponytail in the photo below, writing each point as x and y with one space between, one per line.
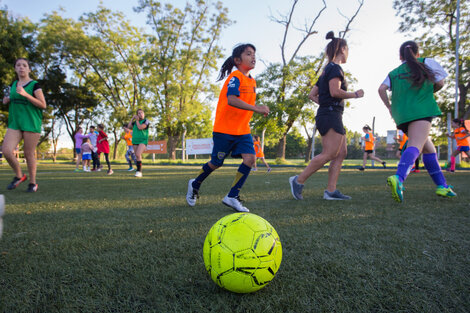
419 71
228 65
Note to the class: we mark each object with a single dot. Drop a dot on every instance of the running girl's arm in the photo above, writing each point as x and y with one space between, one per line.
438 85
142 126
337 92
384 96
132 120
313 95
240 104
38 99
6 100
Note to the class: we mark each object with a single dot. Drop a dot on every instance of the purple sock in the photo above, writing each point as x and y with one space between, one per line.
407 161
434 169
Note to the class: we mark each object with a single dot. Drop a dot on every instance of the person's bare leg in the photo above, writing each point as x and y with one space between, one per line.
331 143
364 160
30 143
10 142
335 166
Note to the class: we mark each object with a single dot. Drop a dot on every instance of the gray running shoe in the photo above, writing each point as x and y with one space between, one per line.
296 188
192 195
335 195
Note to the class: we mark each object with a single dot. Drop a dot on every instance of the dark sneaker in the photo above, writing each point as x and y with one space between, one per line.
235 203
16 182
2 211
192 195
32 188
362 168
296 188
384 164
335 195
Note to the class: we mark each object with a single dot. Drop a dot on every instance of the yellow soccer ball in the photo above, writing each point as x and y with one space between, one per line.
242 252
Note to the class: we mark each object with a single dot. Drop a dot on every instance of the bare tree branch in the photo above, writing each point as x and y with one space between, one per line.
343 33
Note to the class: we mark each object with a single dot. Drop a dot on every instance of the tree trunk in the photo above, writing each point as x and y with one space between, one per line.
281 148
171 147
308 153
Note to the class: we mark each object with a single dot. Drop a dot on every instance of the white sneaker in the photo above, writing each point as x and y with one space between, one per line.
192 195
235 203
110 172
2 211
138 174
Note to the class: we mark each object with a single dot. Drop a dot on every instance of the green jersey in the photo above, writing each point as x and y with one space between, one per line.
23 115
411 103
140 135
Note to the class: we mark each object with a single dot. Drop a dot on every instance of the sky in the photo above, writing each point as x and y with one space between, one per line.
373 39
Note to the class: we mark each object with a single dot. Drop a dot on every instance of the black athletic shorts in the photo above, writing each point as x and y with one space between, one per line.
404 126
369 151
329 117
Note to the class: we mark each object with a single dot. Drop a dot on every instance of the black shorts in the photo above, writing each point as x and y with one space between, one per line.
404 126
329 118
369 151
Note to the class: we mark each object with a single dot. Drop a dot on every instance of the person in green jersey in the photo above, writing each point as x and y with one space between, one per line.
413 107
27 102
140 137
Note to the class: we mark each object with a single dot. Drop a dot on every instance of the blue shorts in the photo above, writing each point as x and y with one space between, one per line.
86 156
463 148
78 150
225 144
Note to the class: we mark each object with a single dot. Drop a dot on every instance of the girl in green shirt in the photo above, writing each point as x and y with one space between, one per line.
27 102
140 137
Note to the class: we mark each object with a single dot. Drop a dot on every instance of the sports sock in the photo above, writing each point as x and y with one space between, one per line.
130 163
452 163
434 169
139 166
406 162
240 178
205 171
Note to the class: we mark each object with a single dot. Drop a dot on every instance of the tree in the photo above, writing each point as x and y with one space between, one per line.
435 23
180 56
285 86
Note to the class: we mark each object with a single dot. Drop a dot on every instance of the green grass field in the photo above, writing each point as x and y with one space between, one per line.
87 242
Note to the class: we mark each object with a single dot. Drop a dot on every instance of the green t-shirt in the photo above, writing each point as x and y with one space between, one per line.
23 115
140 135
411 103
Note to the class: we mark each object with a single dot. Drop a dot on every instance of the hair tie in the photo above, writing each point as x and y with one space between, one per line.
407 46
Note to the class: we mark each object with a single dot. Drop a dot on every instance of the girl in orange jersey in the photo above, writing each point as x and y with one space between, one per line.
232 133
369 148
259 153
461 135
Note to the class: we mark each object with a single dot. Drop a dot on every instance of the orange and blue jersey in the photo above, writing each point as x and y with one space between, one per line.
229 119
369 141
128 138
460 134
403 140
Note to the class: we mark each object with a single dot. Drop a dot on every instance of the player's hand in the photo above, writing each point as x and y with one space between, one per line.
359 93
262 109
20 90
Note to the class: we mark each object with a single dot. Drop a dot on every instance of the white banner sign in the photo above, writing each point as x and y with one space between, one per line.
199 146
391 134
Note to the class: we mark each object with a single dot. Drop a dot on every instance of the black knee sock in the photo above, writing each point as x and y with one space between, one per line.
139 166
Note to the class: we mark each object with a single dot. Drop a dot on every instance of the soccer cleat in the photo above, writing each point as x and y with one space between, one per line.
384 164
16 182
397 188
335 195
296 188
32 188
254 169
76 170
445 192
138 174
98 169
2 211
362 168
130 169
193 194
269 170
235 203
110 172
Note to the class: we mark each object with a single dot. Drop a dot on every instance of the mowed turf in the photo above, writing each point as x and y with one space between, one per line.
87 242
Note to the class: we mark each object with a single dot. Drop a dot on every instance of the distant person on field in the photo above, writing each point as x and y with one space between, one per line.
24 122
462 136
103 146
413 107
259 153
140 137
87 148
232 133
79 136
369 148
130 155
94 152
330 91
